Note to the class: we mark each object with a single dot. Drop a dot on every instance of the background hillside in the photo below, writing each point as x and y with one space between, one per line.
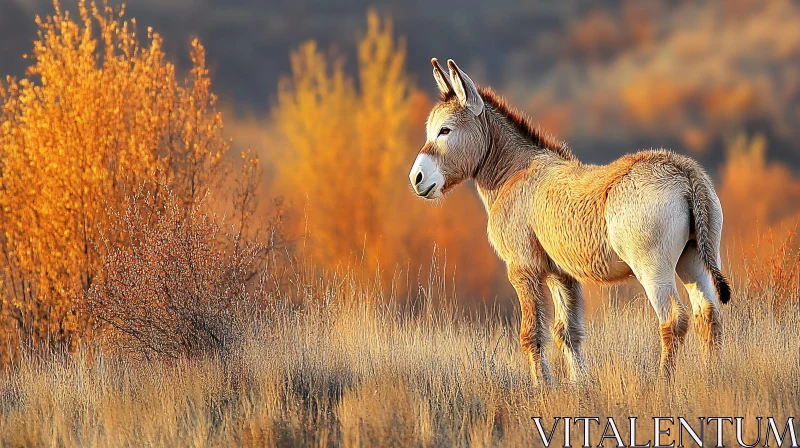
610 78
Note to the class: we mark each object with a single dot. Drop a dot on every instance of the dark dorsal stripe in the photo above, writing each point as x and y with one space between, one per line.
523 124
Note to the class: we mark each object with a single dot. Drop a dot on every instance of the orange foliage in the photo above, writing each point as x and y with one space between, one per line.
760 200
652 98
668 68
603 31
728 102
755 195
97 115
695 139
557 120
595 33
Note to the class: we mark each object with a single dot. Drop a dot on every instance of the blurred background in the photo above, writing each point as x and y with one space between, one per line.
332 97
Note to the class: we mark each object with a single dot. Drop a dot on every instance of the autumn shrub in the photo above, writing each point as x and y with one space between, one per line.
178 284
98 113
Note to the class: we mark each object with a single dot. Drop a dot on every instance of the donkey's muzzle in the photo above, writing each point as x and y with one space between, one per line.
425 177
422 188
417 182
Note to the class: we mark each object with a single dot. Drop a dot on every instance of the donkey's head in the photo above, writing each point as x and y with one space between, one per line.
456 137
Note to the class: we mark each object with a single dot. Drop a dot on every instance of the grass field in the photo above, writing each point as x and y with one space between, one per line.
344 366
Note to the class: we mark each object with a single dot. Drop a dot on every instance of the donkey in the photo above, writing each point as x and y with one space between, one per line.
557 222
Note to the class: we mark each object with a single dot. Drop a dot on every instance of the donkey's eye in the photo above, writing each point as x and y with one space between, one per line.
444 131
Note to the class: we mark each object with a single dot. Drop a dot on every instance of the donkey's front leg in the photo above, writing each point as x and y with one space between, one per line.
568 329
533 325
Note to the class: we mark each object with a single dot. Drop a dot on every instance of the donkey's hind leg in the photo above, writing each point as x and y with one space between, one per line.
705 304
569 330
672 317
649 233
655 270
654 266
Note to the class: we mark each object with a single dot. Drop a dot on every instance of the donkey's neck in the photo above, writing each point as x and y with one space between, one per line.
509 152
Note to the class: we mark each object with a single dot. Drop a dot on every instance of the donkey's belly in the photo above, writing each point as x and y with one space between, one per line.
585 256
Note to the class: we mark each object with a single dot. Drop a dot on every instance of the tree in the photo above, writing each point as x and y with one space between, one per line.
346 143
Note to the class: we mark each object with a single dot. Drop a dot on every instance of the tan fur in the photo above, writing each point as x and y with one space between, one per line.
669 345
569 331
673 333
708 325
557 222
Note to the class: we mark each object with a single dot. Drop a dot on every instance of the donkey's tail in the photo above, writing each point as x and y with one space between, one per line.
700 203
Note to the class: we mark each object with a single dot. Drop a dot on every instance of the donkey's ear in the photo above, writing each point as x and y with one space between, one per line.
441 78
465 89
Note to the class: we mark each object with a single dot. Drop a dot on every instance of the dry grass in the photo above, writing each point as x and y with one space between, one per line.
344 366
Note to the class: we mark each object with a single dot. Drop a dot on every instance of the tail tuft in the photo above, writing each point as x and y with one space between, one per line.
722 286
699 200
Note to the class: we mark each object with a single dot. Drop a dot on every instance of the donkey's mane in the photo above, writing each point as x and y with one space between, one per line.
523 124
